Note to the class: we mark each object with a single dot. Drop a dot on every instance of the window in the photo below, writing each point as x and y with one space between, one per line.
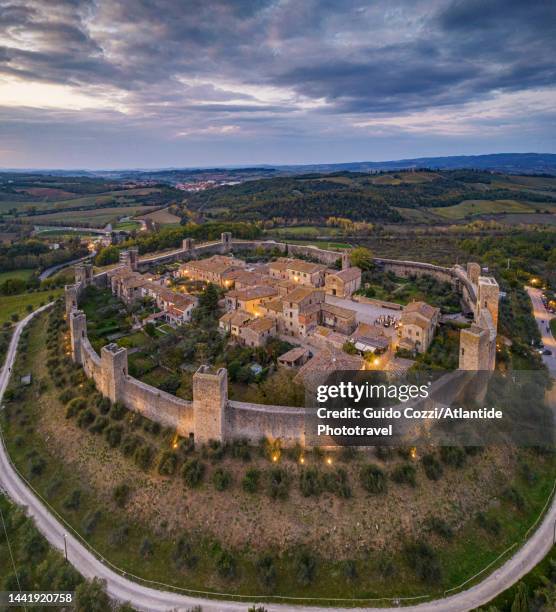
462 351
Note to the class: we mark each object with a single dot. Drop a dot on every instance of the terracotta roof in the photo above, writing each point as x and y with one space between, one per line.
294 354
254 293
261 325
422 308
330 360
300 294
217 264
338 311
348 274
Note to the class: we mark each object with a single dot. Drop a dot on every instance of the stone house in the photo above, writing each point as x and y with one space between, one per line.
418 325
257 332
211 270
250 299
343 283
341 319
299 271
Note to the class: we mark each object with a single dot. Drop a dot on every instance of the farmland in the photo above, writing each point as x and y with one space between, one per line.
92 217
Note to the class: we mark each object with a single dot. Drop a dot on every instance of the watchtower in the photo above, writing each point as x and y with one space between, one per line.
71 296
226 239
78 330
187 244
345 260
113 361
473 272
210 398
488 296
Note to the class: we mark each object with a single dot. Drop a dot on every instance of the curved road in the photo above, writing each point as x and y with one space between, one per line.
152 600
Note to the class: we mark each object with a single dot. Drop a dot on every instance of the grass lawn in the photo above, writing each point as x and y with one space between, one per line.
119 534
127 226
10 304
22 274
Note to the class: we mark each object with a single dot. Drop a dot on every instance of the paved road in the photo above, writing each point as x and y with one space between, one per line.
143 598
543 317
50 271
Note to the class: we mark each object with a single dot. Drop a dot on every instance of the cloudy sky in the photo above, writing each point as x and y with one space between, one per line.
159 83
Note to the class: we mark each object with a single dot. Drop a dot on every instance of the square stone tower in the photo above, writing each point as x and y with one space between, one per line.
474 349
473 272
187 244
488 296
70 295
210 398
78 330
113 361
226 239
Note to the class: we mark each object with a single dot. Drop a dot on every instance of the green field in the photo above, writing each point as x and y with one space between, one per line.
87 201
474 208
98 217
17 304
23 274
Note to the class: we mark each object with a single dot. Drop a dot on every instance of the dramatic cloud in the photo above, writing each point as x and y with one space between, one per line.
212 81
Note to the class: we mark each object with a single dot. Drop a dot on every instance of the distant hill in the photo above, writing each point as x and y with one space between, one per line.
416 195
512 163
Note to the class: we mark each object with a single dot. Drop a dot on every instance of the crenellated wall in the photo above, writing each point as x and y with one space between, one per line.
211 415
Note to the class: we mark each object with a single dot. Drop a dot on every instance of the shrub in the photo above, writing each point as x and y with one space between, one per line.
305 566
348 454
104 405
386 566
515 498
121 494
214 451
85 418
337 482
193 471
118 411
349 569
489 523
225 564
241 450
187 446
373 479
221 479
90 522
100 424
168 463
440 527
250 482
143 456
113 435
404 474
310 482
120 535
147 549
74 406
452 455
66 395
266 571
130 444
37 465
73 501
278 483
183 554
433 467
424 562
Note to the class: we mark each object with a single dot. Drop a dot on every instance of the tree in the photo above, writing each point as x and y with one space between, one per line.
521 601
92 597
362 258
107 255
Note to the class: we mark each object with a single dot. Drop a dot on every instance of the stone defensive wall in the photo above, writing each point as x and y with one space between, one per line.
211 415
